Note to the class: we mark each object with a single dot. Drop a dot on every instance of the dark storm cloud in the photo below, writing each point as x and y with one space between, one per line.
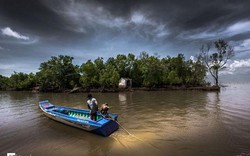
185 15
69 18
30 15
87 29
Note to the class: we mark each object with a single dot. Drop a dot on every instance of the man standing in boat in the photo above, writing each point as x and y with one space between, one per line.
93 106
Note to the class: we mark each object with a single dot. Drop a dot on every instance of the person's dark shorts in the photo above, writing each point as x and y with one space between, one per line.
93 116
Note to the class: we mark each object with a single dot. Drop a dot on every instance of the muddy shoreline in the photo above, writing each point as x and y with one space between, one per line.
169 88
110 90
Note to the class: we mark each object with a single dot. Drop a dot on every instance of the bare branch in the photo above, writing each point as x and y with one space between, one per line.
217 60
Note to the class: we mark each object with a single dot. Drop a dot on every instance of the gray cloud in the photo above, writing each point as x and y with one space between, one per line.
88 29
9 32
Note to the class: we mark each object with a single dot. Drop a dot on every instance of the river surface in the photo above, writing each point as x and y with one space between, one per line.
170 123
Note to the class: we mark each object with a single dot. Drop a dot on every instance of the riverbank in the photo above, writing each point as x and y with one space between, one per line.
206 88
110 90
103 90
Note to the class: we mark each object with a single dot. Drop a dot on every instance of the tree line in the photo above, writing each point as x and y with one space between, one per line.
59 73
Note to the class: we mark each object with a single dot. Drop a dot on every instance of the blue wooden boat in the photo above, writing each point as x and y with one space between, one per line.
80 118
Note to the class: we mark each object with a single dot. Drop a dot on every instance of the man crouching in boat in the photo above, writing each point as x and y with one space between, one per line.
103 109
93 106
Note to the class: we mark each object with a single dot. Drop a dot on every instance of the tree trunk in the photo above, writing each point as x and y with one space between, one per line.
216 78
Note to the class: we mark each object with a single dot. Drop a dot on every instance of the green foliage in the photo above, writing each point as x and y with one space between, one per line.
90 75
151 70
109 77
173 78
146 70
58 73
4 82
196 72
22 81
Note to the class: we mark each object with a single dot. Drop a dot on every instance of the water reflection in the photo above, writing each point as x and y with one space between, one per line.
122 97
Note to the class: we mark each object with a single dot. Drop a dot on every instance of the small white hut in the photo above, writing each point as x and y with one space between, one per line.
125 83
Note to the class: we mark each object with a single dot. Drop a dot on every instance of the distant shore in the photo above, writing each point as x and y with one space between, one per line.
110 90
201 88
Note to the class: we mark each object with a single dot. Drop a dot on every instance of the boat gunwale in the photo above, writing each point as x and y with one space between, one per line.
105 128
71 118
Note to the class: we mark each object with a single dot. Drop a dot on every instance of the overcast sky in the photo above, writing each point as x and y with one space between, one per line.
33 31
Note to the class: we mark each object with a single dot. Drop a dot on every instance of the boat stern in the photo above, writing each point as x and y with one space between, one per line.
107 129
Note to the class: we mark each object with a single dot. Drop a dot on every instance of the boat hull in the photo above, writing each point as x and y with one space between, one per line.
79 118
